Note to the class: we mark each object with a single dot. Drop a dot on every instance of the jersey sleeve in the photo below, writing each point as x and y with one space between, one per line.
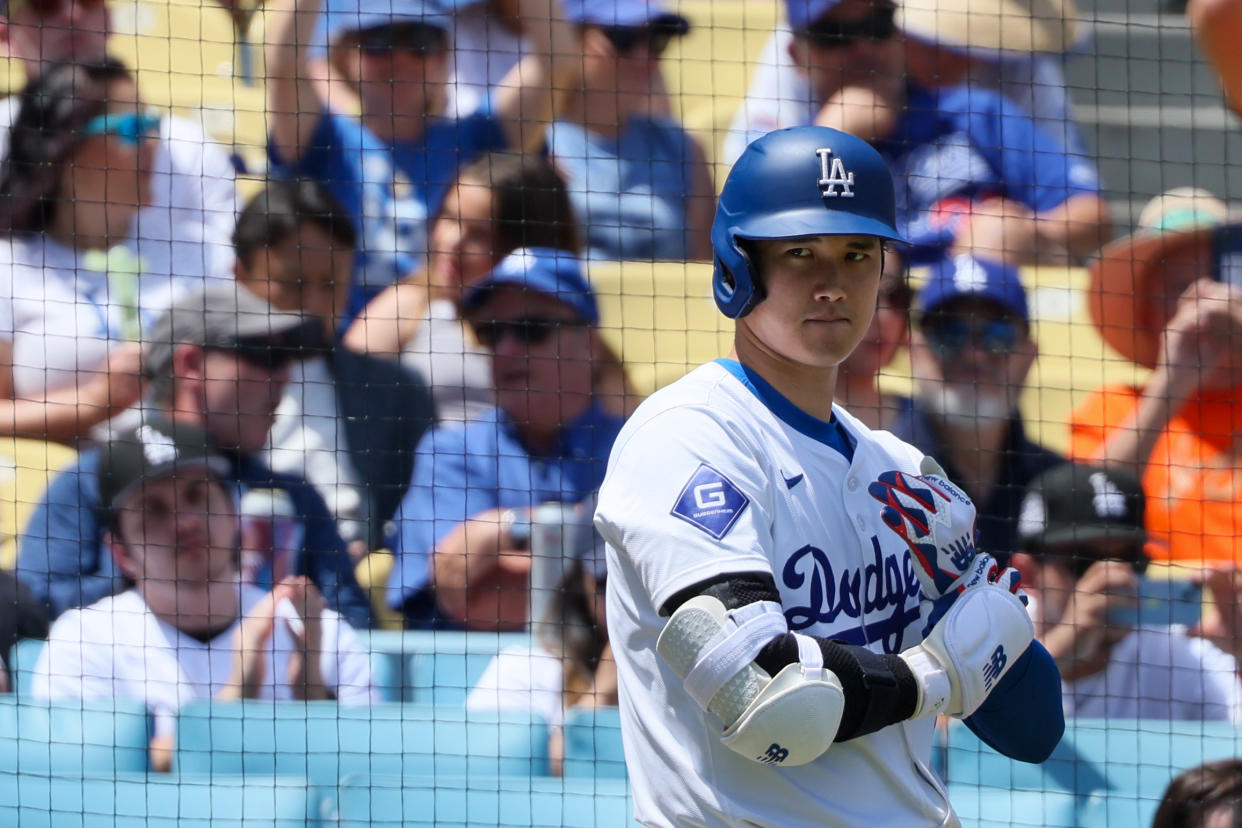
684 500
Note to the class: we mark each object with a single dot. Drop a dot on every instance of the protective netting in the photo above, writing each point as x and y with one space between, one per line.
320 321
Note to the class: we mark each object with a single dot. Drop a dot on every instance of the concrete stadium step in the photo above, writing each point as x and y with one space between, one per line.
1140 60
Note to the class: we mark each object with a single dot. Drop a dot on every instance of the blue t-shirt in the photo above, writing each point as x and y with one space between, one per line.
630 190
462 469
392 190
958 144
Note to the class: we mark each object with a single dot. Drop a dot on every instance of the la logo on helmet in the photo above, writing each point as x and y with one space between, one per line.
833 175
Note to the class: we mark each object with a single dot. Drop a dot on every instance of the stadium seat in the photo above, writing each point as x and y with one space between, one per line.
593 743
432 667
990 808
483 802
156 801
969 762
1141 756
324 742
68 737
659 318
22 660
1120 810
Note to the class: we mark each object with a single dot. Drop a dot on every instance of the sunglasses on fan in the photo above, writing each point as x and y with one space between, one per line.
130 128
840 34
415 38
530 330
626 39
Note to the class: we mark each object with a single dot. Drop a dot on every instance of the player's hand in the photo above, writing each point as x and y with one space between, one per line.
935 519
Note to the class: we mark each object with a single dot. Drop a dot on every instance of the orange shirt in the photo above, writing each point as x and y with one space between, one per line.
1194 476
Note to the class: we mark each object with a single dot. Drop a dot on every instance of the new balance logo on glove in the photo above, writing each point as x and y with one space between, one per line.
994 667
775 755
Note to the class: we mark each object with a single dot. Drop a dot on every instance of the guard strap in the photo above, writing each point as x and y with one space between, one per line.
749 629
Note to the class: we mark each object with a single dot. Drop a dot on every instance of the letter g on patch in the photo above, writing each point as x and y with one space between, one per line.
710 501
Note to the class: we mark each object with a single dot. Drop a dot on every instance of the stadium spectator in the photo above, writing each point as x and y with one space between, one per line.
347 422
219 359
639 181
191 177
970 353
1206 796
974 172
569 665
1011 51
21 616
77 182
392 166
499 203
1082 540
463 529
858 380
1165 298
187 628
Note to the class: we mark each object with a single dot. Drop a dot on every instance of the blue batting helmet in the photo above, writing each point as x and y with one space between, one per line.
803 181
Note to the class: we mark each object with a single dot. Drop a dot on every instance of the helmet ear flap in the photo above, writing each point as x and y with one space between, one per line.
735 283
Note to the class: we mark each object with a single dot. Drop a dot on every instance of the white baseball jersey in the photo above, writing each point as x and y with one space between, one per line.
118 648
718 473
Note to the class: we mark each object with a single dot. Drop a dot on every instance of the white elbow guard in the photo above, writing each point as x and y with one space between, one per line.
787 720
969 650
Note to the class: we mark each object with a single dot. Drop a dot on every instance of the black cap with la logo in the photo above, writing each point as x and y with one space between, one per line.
1076 504
155 449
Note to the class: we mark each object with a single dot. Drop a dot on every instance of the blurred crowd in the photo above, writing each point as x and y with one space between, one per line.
351 399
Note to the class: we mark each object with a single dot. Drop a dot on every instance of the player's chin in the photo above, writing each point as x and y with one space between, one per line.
828 345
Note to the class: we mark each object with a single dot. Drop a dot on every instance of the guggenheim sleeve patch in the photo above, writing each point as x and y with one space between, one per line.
710 501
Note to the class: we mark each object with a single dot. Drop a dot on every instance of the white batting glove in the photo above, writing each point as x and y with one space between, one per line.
935 519
969 651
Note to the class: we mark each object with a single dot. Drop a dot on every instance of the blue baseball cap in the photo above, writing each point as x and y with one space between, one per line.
341 17
555 273
630 13
964 275
802 13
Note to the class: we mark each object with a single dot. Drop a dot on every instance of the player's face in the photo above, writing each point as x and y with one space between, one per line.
821 296
541 356
177 538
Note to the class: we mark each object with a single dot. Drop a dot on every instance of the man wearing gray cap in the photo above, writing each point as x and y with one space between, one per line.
218 359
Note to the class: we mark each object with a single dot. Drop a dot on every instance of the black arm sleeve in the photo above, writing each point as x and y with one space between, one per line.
879 690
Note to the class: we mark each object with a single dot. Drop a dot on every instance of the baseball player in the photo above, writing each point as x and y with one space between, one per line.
792 597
